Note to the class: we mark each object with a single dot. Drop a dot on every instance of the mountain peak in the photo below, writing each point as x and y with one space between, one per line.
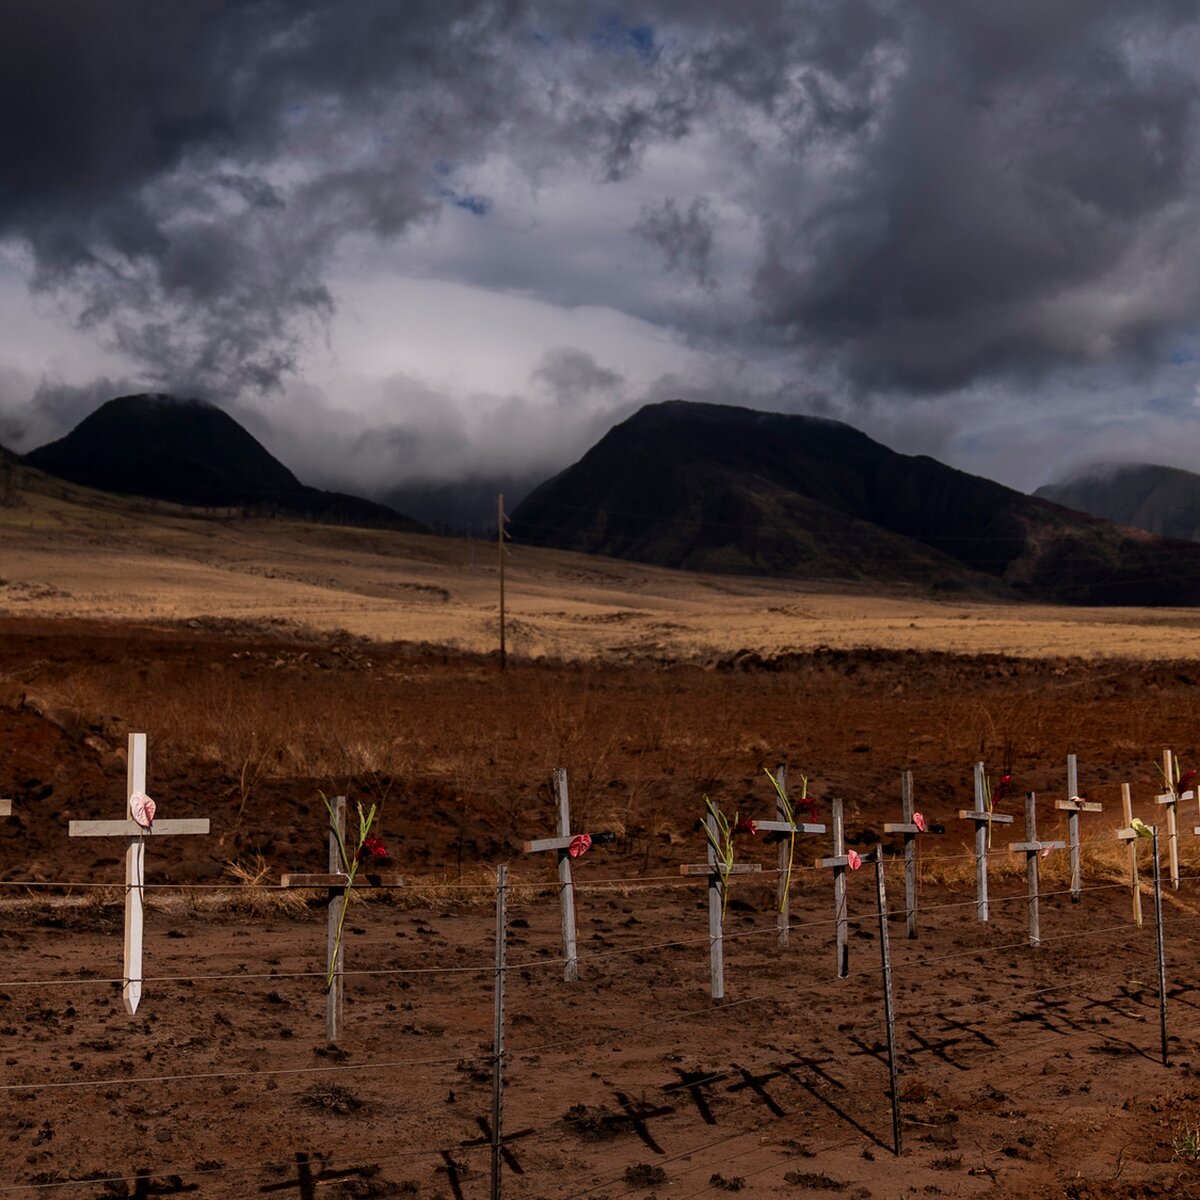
191 452
1161 500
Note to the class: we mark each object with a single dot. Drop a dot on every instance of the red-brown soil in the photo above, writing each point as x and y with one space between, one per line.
1023 1072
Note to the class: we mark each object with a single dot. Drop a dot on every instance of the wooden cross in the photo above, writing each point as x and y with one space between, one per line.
562 846
782 825
1130 835
1033 850
1171 799
1073 806
5 808
911 831
840 862
983 822
135 836
717 875
337 882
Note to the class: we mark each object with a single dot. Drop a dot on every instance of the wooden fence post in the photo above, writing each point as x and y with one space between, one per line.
498 1026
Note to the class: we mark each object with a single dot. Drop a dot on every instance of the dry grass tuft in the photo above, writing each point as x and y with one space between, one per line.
259 891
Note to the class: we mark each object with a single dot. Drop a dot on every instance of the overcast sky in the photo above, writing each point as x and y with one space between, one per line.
436 239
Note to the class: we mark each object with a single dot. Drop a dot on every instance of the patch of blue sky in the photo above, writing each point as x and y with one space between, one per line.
475 204
612 33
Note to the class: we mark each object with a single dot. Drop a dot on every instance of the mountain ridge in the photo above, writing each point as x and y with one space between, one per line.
1158 499
723 488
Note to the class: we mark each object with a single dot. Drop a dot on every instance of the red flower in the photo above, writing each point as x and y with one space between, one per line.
581 843
372 847
1186 780
746 825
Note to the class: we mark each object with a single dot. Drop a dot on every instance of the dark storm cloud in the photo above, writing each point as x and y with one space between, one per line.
683 236
943 191
183 171
1027 172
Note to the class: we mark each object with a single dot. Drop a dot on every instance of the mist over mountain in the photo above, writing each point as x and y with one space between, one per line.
1160 500
463 507
720 488
190 452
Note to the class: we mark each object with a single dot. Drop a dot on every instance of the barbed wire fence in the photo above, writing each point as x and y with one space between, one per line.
1042 1006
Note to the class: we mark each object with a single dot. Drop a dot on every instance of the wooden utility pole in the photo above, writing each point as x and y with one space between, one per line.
500 551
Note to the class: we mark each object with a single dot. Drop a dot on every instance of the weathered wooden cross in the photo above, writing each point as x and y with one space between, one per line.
781 825
568 847
1171 798
841 861
1130 835
984 819
1033 850
1073 805
912 826
337 882
717 882
135 832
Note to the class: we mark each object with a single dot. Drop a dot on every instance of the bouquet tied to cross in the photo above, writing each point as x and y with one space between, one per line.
367 848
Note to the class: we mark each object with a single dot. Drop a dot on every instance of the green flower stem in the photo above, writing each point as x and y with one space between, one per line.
350 865
789 813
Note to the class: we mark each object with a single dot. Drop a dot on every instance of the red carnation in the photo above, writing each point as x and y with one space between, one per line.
746 825
372 847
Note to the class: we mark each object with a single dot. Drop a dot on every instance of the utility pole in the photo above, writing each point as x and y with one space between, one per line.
500 550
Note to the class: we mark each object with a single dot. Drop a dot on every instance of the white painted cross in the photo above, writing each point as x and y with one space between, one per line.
718 875
1130 835
135 834
983 819
842 860
1171 799
912 826
337 882
568 847
1073 806
781 825
1033 850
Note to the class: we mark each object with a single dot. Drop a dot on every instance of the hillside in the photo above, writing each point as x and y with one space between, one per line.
720 488
1160 500
190 452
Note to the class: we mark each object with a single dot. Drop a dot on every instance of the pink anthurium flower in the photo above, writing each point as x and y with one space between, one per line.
919 821
853 860
142 809
580 845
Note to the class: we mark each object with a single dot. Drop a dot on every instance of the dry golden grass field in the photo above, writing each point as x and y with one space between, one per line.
68 552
